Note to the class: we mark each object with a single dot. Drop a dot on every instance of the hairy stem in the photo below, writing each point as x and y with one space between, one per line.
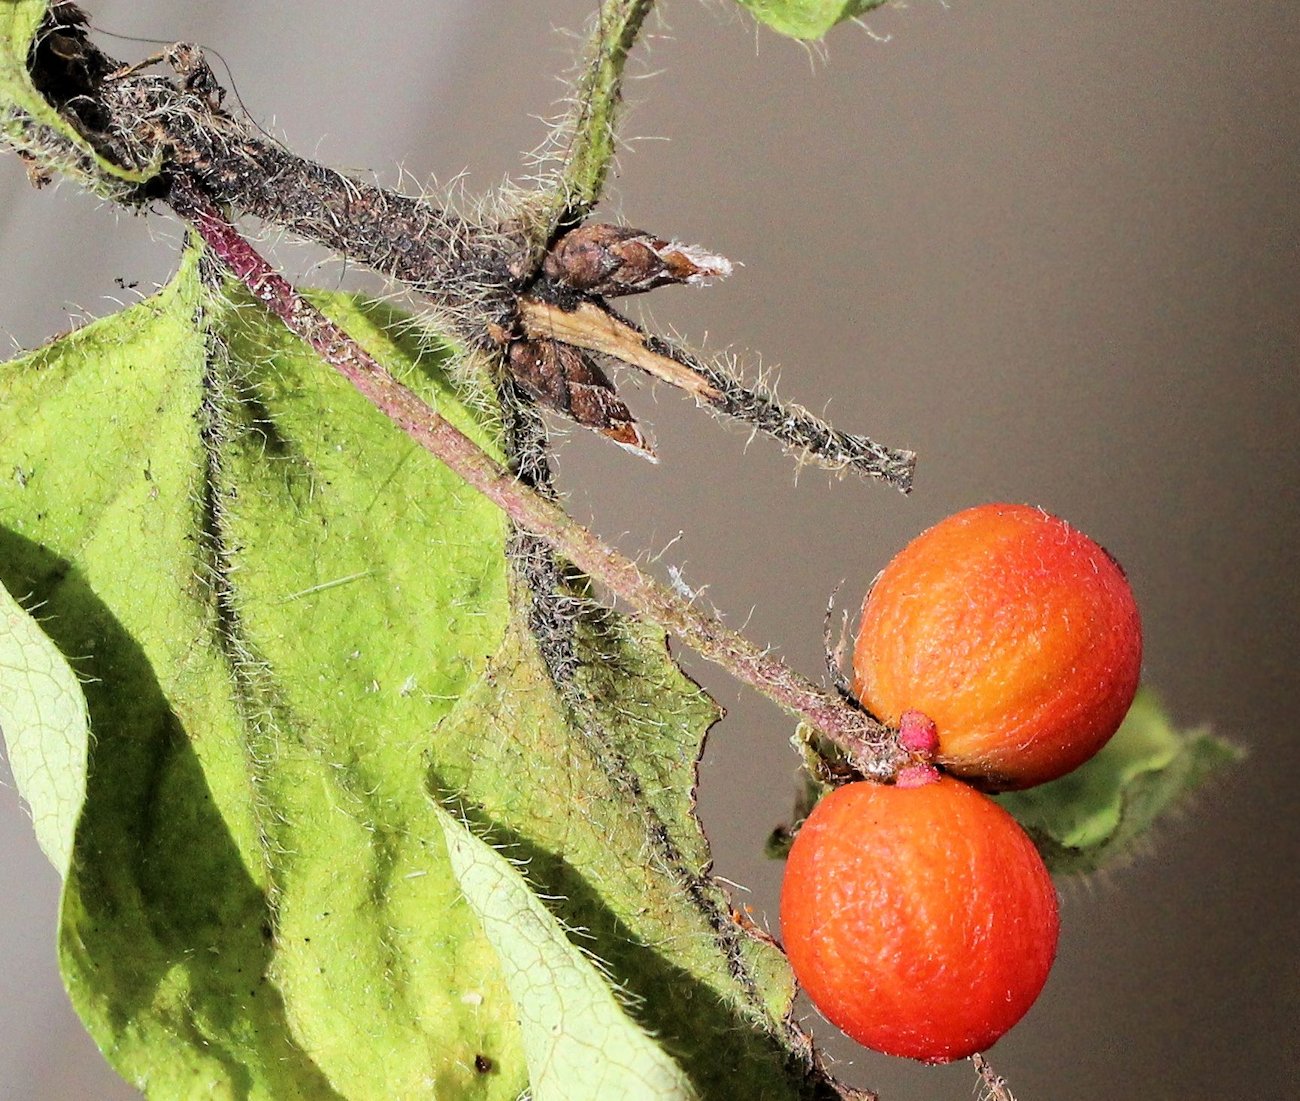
460 266
597 328
994 1085
473 274
867 742
588 133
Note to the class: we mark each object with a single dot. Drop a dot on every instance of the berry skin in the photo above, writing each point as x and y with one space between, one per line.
919 920
1016 634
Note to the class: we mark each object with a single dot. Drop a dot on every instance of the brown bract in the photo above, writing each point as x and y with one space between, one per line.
610 260
563 378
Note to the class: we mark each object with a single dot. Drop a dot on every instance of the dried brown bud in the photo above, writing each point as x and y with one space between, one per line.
565 379
612 260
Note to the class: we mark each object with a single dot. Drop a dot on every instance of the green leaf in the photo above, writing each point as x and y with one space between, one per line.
300 633
571 1019
1102 811
43 721
806 18
163 928
32 125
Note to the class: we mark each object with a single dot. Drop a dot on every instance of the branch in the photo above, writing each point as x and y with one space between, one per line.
150 123
465 268
598 329
868 743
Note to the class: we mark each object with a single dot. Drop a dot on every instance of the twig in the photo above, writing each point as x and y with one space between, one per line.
452 261
868 743
596 328
472 273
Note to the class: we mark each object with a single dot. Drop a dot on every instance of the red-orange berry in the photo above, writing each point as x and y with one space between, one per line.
919 920
1014 632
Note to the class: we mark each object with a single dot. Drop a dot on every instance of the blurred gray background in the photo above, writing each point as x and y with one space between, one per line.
1053 247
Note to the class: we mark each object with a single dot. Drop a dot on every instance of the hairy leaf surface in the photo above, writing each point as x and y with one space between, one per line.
299 634
568 1014
1102 810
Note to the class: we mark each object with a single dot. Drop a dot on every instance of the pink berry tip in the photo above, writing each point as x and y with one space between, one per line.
916 776
917 734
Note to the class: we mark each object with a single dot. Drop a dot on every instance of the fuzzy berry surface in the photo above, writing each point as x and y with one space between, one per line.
1017 634
920 920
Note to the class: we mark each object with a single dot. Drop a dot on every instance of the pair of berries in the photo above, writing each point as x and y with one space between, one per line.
919 916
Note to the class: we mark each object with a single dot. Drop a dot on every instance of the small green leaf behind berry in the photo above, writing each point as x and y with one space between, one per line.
806 18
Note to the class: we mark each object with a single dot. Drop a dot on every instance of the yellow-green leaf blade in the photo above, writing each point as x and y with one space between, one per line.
582 777
296 624
1099 812
163 921
366 589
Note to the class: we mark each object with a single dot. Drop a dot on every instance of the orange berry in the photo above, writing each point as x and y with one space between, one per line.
920 920
1016 634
